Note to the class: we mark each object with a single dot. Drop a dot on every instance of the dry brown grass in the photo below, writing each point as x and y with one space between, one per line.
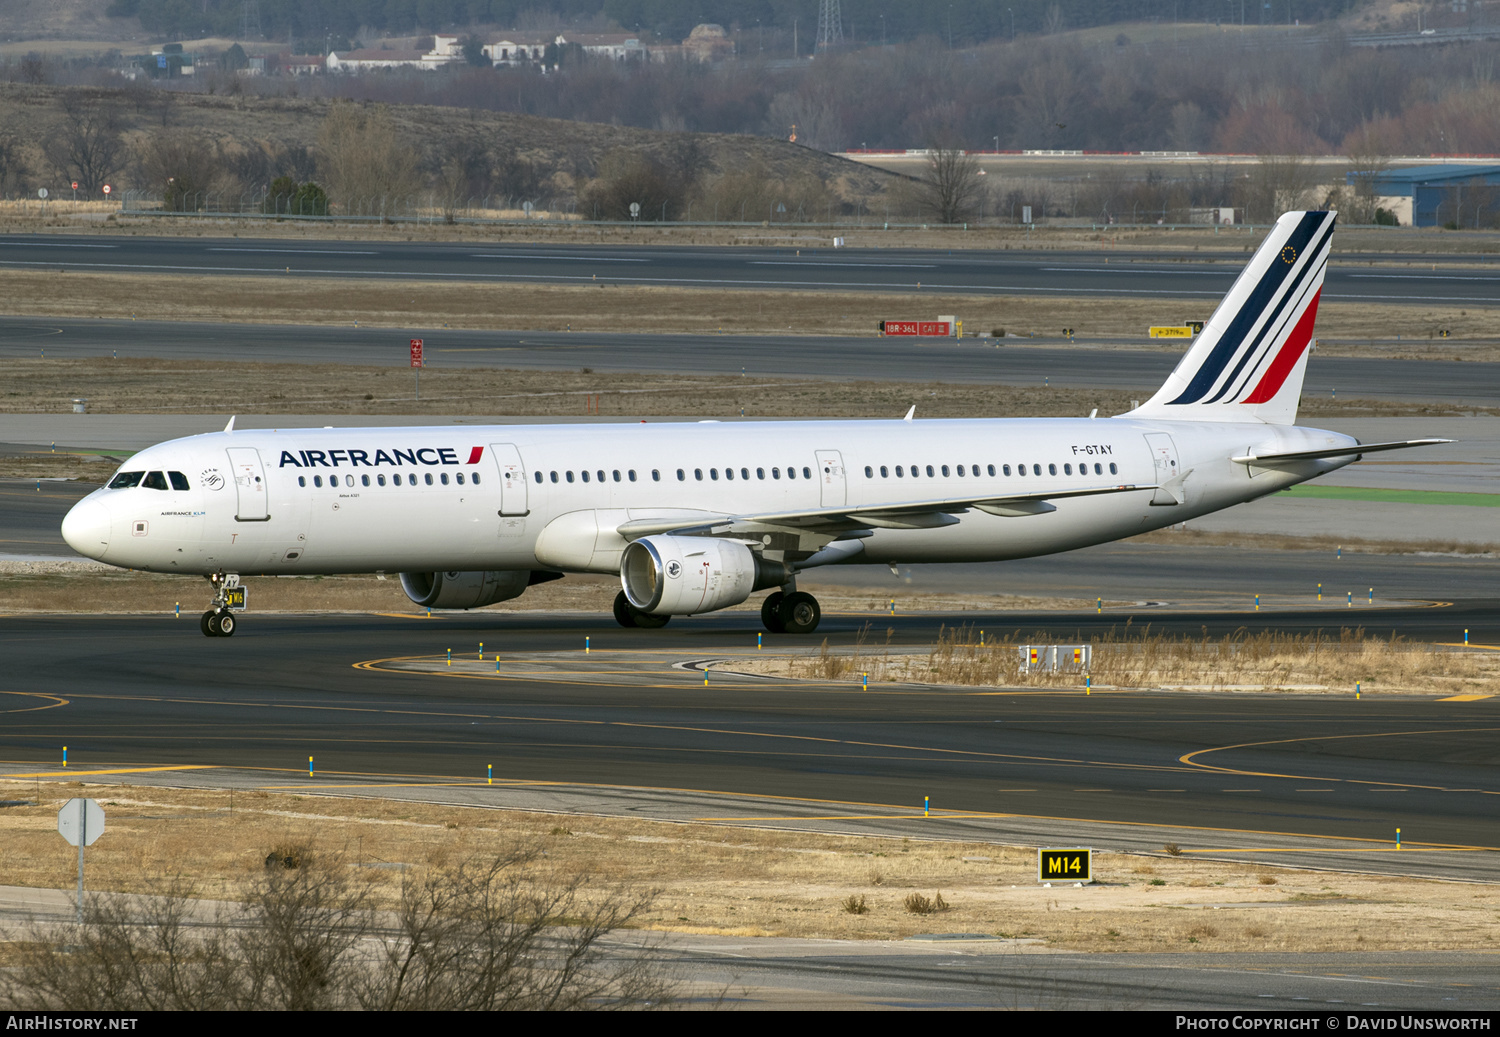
751 882
150 386
607 308
1266 661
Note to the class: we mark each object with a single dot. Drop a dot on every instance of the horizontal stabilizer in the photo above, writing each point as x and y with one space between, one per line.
1267 460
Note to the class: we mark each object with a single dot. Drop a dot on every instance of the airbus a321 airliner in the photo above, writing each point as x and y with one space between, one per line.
697 517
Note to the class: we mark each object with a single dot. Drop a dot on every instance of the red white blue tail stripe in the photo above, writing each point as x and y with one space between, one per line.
1248 362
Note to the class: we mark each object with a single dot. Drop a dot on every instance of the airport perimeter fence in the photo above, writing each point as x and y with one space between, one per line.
508 210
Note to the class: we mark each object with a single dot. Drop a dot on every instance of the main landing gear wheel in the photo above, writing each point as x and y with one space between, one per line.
799 613
623 614
770 613
627 615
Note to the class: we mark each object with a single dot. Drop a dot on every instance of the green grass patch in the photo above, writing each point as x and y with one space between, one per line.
1362 493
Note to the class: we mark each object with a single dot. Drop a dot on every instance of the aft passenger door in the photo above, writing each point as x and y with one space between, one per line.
249 484
513 493
831 474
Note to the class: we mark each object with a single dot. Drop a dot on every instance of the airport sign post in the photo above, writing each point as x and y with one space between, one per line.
1059 864
80 822
417 363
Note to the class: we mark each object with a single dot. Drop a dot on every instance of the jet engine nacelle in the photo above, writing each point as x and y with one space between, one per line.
681 576
460 590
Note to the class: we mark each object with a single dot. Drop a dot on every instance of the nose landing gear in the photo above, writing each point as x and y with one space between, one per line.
229 597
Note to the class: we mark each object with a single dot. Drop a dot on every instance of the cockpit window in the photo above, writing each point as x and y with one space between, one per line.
154 481
125 480
179 481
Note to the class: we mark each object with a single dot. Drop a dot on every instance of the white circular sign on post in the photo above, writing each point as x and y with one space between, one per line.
635 209
41 192
81 818
107 189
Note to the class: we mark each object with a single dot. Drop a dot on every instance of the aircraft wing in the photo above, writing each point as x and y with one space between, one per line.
1270 460
928 514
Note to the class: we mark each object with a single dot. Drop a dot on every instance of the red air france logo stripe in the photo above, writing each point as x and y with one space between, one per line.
1286 359
474 454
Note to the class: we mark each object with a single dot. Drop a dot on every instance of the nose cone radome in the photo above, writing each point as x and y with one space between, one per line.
86 528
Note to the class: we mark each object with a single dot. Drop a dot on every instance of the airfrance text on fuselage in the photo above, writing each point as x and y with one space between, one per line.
394 458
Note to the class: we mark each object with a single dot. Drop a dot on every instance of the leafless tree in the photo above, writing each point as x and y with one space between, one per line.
183 167
363 158
499 933
1368 158
1278 184
951 185
88 146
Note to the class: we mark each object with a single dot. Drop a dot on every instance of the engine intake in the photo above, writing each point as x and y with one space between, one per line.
470 590
681 576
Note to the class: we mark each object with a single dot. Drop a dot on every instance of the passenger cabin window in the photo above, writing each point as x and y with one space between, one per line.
1112 469
126 480
1052 469
154 481
992 469
538 476
301 480
807 473
474 477
585 475
179 481
365 479
318 481
380 479
428 478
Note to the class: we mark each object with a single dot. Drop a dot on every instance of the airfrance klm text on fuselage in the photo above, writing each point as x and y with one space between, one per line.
697 517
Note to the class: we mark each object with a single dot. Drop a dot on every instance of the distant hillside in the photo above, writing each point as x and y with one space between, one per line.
260 138
64 20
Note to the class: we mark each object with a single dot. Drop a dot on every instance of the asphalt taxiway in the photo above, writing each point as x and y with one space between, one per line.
967 361
631 726
1203 275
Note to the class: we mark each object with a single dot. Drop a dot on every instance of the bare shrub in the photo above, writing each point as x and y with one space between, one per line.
921 904
854 904
1266 880
502 932
1173 849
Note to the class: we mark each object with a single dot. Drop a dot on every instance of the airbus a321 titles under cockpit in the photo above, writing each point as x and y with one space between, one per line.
695 517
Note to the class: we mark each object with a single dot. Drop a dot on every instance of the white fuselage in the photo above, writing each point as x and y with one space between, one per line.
310 501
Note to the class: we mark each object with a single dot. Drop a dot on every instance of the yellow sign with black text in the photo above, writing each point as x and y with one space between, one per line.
1171 332
1072 865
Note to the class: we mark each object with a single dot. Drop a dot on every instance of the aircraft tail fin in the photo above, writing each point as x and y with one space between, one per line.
1248 362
